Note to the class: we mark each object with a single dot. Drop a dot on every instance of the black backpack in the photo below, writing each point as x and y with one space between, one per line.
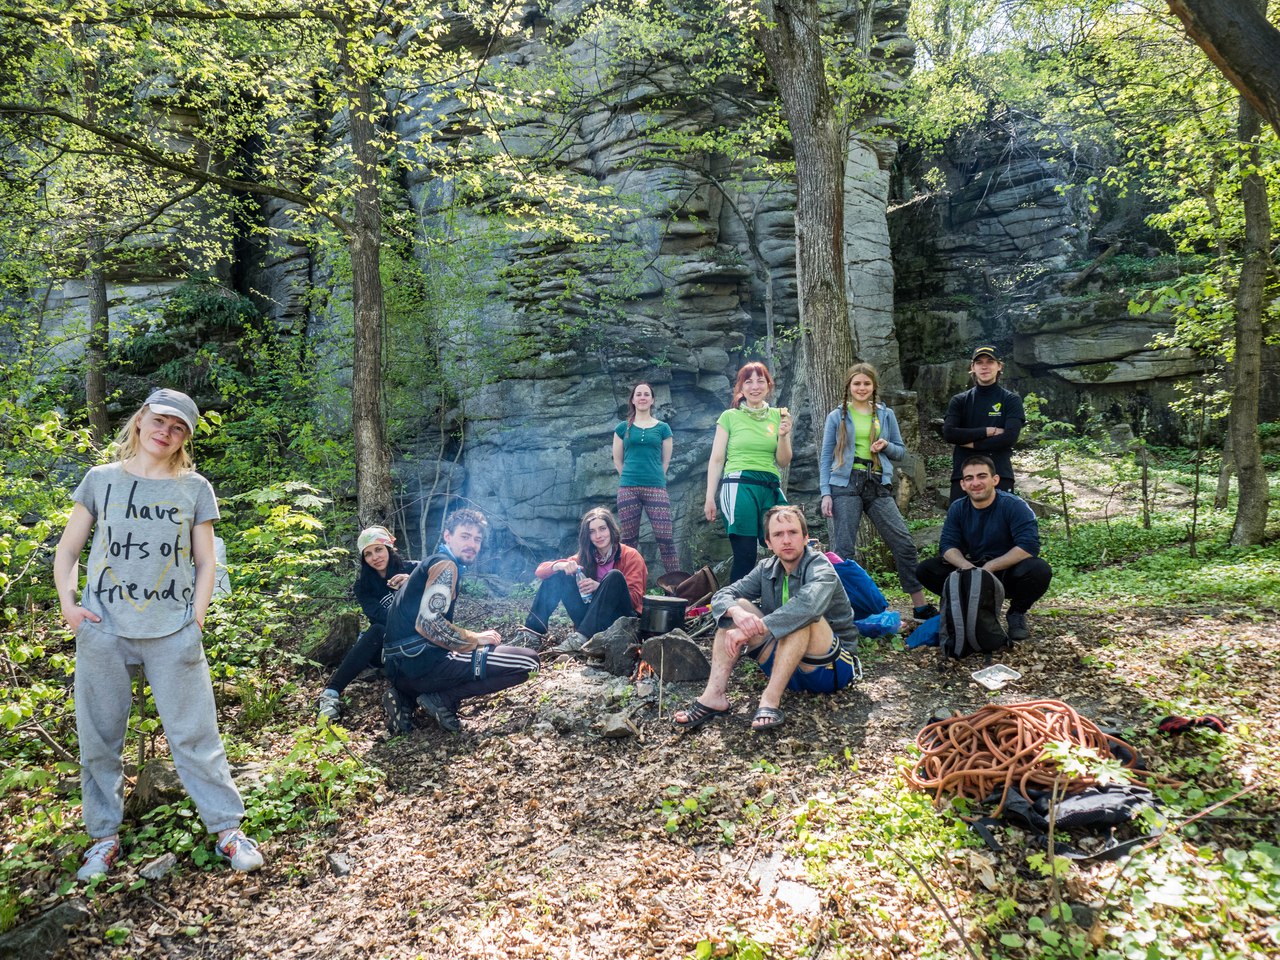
970 623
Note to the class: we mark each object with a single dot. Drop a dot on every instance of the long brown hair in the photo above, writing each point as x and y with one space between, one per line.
631 403
755 366
842 434
586 549
127 444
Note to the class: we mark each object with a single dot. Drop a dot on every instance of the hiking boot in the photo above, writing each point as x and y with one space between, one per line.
1017 622
529 637
99 859
239 851
439 709
330 707
398 707
573 643
926 612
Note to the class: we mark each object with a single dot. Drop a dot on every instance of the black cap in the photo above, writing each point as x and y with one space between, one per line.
986 351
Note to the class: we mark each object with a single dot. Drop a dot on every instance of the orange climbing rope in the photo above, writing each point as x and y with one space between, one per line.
1002 746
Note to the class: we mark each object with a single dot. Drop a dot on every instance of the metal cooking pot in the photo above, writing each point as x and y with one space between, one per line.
662 614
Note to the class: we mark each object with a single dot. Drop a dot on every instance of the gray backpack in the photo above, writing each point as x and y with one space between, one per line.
970 622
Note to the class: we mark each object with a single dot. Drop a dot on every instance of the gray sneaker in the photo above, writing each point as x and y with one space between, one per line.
330 707
99 859
398 708
441 711
1017 625
573 643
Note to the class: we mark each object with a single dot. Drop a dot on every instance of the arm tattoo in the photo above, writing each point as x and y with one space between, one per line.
436 598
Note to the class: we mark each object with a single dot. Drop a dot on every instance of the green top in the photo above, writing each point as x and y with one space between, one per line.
642 454
862 423
753 444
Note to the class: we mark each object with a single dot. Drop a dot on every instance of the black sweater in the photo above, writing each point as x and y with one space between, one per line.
968 416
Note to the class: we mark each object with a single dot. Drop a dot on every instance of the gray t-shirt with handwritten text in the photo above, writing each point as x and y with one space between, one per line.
141 574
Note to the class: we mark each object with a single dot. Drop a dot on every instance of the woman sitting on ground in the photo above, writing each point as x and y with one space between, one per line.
753 440
601 583
382 572
860 441
641 454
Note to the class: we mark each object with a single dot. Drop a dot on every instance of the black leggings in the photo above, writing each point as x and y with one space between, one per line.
610 602
367 652
745 551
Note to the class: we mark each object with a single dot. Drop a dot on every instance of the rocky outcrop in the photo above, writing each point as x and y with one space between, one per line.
696 278
997 256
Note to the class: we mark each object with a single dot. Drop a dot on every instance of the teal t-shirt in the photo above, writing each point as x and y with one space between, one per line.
642 454
753 444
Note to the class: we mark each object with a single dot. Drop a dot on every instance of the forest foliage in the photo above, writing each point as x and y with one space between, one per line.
1153 126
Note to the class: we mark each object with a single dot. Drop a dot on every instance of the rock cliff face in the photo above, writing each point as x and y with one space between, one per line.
506 380
696 278
996 257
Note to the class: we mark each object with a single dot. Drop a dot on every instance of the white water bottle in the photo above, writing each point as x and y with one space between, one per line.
580 576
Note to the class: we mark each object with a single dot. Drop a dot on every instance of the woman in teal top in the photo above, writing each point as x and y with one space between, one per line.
641 454
753 440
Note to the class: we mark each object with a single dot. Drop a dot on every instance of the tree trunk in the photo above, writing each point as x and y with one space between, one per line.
1251 508
1238 38
95 373
1222 495
373 458
95 360
792 49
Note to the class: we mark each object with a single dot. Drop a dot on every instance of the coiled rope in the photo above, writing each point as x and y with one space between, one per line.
1002 746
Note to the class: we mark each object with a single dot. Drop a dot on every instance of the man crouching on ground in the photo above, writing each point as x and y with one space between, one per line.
430 661
791 615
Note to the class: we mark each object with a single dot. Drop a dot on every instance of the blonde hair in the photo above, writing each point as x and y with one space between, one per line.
127 445
842 434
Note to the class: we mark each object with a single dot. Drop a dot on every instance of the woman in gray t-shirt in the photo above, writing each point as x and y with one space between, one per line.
149 581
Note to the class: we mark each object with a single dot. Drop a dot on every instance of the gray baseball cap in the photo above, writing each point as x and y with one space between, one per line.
175 403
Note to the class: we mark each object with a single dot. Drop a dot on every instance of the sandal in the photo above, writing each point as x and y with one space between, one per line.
696 714
768 718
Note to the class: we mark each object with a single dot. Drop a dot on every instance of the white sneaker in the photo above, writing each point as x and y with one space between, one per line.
99 858
241 852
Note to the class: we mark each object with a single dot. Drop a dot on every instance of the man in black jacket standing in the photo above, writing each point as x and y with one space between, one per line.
984 419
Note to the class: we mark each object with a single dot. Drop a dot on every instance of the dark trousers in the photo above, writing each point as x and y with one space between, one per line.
367 652
1024 583
455 674
745 553
1005 484
610 602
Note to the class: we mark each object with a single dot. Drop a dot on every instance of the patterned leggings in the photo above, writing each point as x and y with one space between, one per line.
657 504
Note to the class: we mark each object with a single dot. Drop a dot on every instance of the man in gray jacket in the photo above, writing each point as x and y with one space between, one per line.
791 615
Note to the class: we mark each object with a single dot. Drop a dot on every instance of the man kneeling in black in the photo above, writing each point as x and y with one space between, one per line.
994 530
428 657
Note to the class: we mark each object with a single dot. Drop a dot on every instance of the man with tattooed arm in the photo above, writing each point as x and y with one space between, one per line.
430 661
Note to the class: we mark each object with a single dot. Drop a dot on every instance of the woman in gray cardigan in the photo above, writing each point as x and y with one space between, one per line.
860 441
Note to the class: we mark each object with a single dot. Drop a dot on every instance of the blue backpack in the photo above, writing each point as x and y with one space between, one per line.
864 596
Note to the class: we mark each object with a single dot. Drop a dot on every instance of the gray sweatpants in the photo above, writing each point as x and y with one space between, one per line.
847 506
179 676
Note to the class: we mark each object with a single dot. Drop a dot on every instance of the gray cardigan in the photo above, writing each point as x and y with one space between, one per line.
831 474
814 591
